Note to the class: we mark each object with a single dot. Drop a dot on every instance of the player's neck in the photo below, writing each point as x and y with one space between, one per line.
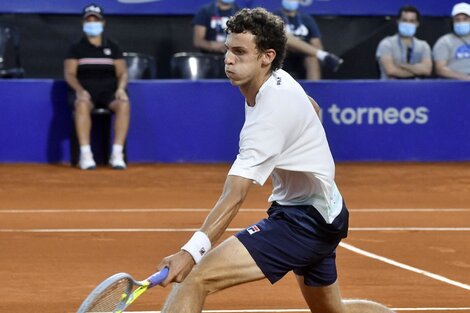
250 89
95 40
407 41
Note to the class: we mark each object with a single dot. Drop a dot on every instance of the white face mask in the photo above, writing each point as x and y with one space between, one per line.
406 29
93 29
290 5
462 28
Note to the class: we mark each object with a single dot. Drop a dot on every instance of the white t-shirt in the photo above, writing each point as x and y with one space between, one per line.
283 138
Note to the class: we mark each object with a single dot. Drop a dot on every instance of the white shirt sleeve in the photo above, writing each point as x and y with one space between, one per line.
258 153
262 140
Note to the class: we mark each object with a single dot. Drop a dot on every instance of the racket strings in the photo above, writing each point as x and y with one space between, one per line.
110 297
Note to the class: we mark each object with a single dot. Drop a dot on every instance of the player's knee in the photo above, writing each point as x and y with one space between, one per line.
199 279
82 106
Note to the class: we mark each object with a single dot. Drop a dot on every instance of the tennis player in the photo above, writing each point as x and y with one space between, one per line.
283 138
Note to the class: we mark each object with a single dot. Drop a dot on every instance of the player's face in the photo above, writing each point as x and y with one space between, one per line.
243 62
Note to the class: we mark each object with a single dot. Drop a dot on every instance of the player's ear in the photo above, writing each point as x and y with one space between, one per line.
269 56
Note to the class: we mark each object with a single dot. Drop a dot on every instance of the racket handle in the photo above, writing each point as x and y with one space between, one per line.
158 277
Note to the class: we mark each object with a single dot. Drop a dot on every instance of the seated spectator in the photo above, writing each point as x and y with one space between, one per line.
452 51
96 73
210 23
304 46
403 56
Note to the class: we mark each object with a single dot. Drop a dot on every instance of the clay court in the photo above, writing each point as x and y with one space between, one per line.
62 231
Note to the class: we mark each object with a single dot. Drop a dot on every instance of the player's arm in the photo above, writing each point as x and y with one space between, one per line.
312 64
122 78
234 193
393 70
70 76
423 68
443 70
200 42
315 105
298 45
180 264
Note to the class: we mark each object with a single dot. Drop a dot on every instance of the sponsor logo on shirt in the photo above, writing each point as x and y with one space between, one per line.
253 229
463 52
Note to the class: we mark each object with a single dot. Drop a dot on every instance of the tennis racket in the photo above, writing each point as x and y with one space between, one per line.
117 292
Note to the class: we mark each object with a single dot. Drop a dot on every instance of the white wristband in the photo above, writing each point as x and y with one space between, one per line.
197 246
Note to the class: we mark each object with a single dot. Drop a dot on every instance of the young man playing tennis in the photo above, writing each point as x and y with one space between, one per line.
283 138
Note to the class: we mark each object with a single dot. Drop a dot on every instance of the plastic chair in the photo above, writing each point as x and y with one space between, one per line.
9 49
140 66
195 65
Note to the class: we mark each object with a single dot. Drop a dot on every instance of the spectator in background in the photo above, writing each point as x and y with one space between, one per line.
402 55
96 73
304 46
452 51
210 23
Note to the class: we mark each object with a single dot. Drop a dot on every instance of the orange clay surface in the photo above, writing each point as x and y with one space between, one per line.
63 230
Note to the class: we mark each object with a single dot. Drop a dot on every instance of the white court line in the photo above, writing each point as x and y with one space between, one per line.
307 310
166 230
157 210
404 266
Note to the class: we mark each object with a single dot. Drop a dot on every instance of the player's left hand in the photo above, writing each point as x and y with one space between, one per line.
180 265
121 95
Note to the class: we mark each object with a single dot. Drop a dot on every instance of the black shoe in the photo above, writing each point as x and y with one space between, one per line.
332 62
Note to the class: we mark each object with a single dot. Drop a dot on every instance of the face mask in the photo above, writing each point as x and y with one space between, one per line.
406 29
290 5
93 29
462 28
228 1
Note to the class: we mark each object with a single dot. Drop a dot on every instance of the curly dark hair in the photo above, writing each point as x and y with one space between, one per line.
268 30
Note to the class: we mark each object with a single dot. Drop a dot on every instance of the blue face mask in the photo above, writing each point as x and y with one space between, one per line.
462 28
406 29
93 29
290 5
228 1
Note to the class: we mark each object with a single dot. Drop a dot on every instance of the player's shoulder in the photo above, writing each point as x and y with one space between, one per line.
306 17
283 87
389 40
420 43
110 42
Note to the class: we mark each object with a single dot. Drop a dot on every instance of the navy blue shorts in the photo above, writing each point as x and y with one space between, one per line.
296 238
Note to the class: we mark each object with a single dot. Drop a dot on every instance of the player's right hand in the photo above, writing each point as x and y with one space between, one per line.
83 95
180 265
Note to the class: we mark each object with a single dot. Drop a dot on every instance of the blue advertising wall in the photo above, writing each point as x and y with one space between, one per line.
166 7
187 121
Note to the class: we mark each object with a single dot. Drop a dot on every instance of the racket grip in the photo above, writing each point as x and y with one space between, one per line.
158 277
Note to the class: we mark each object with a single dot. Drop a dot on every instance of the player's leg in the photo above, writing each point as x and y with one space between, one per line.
121 109
312 68
82 119
229 264
327 299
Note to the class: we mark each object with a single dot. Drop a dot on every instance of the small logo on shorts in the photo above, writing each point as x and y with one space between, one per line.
253 229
